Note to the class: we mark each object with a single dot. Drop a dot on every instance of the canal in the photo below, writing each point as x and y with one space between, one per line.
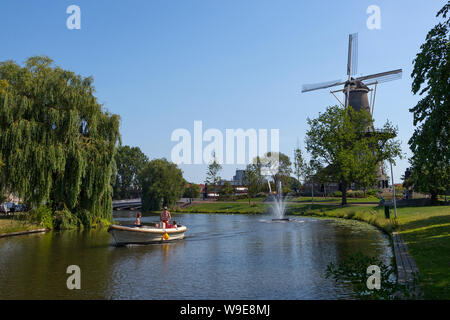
222 257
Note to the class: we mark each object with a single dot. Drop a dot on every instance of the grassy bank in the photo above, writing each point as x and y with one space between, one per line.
225 207
335 199
426 230
9 225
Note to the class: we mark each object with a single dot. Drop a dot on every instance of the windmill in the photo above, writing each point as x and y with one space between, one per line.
356 89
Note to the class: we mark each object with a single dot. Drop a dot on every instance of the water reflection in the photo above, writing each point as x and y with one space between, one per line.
222 257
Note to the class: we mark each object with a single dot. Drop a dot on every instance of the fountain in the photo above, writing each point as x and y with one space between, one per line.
279 205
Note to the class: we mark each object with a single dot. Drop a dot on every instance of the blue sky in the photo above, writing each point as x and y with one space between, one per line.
232 64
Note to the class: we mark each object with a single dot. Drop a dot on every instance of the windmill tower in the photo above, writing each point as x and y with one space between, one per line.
356 90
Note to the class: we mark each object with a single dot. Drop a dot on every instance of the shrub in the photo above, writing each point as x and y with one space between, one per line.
355 194
337 194
65 220
373 192
42 216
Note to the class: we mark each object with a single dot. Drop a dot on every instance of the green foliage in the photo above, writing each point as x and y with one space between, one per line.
278 165
353 270
65 220
193 191
162 184
212 175
129 161
299 168
56 142
430 142
339 140
373 192
337 194
253 179
227 192
356 194
42 216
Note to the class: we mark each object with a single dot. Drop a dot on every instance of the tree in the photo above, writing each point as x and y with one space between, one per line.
162 184
338 139
192 191
310 172
253 179
299 168
278 166
56 141
227 191
212 175
430 141
129 161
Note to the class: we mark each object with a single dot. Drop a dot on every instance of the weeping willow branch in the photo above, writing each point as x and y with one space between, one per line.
56 142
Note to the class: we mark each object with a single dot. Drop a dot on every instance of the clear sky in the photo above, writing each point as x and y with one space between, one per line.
161 64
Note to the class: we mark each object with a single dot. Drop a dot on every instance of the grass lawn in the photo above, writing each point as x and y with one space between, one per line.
335 199
426 230
8 225
225 207
259 199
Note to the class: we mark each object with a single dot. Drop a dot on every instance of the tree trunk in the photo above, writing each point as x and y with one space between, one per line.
344 193
434 197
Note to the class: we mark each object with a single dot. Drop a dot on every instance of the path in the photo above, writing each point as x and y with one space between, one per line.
406 266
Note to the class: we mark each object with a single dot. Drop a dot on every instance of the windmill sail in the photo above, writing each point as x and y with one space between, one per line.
383 76
352 59
322 85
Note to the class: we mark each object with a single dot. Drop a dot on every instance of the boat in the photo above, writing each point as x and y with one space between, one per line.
145 234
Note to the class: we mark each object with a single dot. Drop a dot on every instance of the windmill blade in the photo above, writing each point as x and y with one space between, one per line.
383 76
323 85
352 59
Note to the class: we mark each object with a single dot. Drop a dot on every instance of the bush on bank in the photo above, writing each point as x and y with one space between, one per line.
64 219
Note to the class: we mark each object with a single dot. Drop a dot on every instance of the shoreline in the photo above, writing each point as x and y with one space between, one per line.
20 233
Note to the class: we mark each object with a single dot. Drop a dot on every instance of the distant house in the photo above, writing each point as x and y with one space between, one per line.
238 178
236 182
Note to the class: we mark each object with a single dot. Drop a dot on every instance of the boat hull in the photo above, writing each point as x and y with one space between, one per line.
144 235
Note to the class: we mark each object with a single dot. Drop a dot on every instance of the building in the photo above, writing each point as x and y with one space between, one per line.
238 178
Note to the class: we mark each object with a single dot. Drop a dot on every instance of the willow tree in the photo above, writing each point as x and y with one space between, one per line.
57 143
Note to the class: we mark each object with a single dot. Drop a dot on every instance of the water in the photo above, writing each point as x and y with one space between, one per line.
222 257
279 203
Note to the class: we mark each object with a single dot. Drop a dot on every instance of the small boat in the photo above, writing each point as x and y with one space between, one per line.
145 234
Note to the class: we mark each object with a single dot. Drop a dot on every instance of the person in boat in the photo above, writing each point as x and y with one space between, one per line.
165 217
137 223
174 224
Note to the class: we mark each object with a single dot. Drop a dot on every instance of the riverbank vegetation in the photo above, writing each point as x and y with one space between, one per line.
426 231
17 224
162 184
56 142
129 163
